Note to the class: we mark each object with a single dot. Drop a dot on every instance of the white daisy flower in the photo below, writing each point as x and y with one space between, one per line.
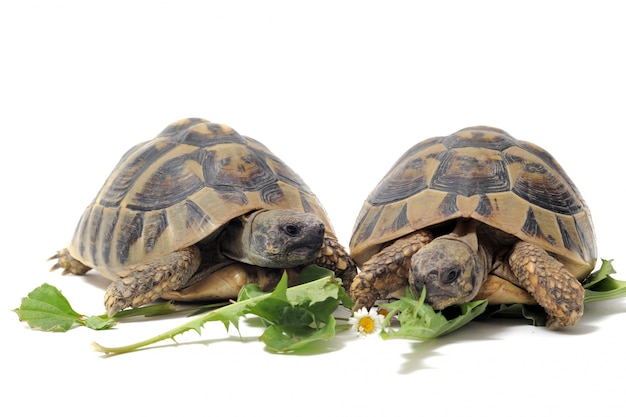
366 322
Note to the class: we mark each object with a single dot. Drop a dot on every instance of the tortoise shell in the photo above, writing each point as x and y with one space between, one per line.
479 173
180 188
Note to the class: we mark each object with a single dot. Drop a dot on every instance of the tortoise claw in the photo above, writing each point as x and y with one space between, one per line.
67 263
57 266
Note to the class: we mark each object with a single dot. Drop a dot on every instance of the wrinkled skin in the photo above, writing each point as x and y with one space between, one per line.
450 269
273 238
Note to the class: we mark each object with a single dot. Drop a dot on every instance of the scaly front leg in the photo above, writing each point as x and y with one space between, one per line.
333 256
146 282
547 280
387 271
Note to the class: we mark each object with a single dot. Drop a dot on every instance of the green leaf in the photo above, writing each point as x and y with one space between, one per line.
277 340
419 321
98 322
250 291
45 308
205 308
271 309
606 269
306 318
151 310
535 314
295 316
313 273
601 286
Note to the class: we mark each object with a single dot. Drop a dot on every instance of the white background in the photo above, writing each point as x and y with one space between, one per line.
339 90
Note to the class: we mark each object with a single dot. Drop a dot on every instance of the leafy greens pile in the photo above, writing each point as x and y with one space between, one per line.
300 315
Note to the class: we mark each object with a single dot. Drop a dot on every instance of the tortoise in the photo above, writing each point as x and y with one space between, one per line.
476 215
195 214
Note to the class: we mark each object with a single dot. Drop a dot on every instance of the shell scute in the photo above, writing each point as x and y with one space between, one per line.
410 175
484 137
171 182
130 168
542 181
471 171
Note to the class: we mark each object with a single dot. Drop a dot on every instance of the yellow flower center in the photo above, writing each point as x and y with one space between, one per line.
366 324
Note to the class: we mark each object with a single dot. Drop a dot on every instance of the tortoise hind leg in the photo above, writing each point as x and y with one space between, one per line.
547 280
146 282
68 263
333 256
387 271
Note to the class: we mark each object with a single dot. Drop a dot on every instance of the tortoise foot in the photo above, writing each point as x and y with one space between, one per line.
145 283
66 262
547 280
333 256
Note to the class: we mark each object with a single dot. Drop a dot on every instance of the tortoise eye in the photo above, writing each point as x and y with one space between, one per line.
291 230
450 276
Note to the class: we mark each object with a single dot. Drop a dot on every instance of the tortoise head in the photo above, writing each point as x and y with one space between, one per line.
450 269
274 238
